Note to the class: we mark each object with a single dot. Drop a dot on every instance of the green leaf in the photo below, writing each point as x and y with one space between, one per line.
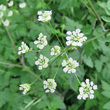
30 56
106 19
106 94
66 4
88 61
98 65
105 86
3 98
107 106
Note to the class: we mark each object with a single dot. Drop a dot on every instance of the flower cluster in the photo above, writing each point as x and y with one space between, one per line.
41 42
22 5
44 17
55 50
26 87
75 38
86 90
70 65
23 49
42 62
4 13
50 85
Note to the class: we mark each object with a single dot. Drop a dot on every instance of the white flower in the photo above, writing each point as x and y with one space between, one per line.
50 85
41 42
86 90
23 49
22 5
26 87
6 23
10 3
55 50
75 38
95 87
70 65
44 17
1 14
42 62
10 13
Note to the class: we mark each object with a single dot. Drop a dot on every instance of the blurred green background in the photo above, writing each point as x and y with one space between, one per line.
67 15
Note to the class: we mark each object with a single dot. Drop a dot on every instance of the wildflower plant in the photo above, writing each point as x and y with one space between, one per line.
41 42
23 48
70 65
42 62
86 90
44 17
75 38
55 50
25 87
50 85
67 65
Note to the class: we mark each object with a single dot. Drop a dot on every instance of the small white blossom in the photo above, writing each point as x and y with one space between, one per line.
22 5
86 90
50 85
6 22
10 3
23 49
44 17
26 87
75 38
42 62
10 13
41 42
55 50
70 65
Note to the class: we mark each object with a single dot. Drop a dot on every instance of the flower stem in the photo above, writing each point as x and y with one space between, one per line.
57 70
13 44
55 34
77 79
10 64
97 36
96 15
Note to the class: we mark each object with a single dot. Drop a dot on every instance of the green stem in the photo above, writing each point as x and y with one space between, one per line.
55 34
77 79
13 44
96 15
11 64
97 36
57 70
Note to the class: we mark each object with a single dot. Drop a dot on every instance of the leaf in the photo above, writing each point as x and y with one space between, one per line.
66 4
30 56
107 106
106 94
106 19
3 98
88 61
98 65
71 24
105 86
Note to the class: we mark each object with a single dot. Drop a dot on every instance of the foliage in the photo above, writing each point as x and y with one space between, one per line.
93 57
